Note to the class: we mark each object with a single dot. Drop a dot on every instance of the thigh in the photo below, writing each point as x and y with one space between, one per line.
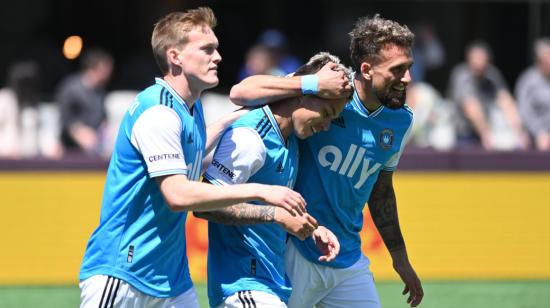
355 289
252 299
308 284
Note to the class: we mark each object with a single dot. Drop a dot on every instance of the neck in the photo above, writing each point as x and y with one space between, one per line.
282 111
181 85
366 93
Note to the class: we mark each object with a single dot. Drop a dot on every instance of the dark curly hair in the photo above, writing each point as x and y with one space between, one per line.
371 34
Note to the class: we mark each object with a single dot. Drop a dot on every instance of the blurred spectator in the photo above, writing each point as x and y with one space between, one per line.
433 114
428 51
276 44
533 95
81 100
487 112
9 120
21 117
261 60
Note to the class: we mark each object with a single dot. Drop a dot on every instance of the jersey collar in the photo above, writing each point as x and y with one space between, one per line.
178 98
359 105
271 118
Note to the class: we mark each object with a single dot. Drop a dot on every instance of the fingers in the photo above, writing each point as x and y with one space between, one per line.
329 256
335 244
312 221
294 203
416 293
298 202
329 66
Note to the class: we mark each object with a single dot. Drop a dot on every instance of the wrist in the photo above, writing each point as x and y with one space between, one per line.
279 215
256 192
309 84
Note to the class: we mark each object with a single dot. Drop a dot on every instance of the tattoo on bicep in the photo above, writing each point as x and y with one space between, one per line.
383 209
241 214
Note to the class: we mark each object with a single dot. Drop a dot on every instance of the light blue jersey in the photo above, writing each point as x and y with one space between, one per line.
139 239
338 169
250 257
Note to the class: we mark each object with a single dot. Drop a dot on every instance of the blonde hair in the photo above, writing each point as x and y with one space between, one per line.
173 29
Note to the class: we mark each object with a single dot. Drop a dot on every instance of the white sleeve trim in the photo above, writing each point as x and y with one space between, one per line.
240 154
391 165
157 136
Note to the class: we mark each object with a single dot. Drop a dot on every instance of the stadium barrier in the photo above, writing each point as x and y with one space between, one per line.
457 225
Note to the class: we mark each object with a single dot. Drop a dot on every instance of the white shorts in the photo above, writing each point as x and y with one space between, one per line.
252 299
325 286
106 291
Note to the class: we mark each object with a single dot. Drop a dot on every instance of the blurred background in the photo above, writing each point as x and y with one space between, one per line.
473 185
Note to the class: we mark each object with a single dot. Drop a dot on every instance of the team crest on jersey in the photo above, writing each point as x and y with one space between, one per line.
385 140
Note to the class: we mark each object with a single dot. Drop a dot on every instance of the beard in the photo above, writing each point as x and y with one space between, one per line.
392 99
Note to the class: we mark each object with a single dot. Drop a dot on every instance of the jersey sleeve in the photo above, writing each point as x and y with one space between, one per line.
391 164
239 155
156 134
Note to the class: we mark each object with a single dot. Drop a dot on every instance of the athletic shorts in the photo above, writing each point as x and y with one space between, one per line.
252 299
325 286
107 291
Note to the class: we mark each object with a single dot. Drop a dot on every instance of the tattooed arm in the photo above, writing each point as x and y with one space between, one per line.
383 209
298 225
240 214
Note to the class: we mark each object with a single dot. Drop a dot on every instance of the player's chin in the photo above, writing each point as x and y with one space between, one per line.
212 82
395 103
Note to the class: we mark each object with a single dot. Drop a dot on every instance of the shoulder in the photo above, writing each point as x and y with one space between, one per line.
150 96
70 84
460 69
405 114
242 138
493 72
530 74
255 120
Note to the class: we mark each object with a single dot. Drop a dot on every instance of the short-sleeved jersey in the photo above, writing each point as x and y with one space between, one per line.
139 239
339 167
250 257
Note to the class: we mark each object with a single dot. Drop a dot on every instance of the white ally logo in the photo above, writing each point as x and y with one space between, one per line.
350 164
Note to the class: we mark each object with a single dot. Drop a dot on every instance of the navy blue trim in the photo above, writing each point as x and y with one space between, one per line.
265 128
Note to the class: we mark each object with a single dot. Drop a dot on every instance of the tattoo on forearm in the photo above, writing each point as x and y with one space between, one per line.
383 209
240 214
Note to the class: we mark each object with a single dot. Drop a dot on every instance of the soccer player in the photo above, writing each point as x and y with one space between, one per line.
349 165
246 243
136 257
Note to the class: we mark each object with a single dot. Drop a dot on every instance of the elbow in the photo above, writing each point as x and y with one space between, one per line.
236 95
179 204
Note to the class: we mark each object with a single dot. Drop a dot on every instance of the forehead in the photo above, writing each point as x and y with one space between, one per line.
392 54
202 35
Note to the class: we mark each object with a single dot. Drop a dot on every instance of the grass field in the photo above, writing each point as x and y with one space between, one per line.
515 294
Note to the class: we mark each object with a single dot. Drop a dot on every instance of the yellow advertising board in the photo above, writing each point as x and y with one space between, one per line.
456 226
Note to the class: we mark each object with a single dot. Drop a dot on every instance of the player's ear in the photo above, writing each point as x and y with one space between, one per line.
172 55
366 70
173 58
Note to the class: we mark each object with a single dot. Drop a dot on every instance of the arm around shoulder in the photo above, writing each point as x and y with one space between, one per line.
262 89
183 195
